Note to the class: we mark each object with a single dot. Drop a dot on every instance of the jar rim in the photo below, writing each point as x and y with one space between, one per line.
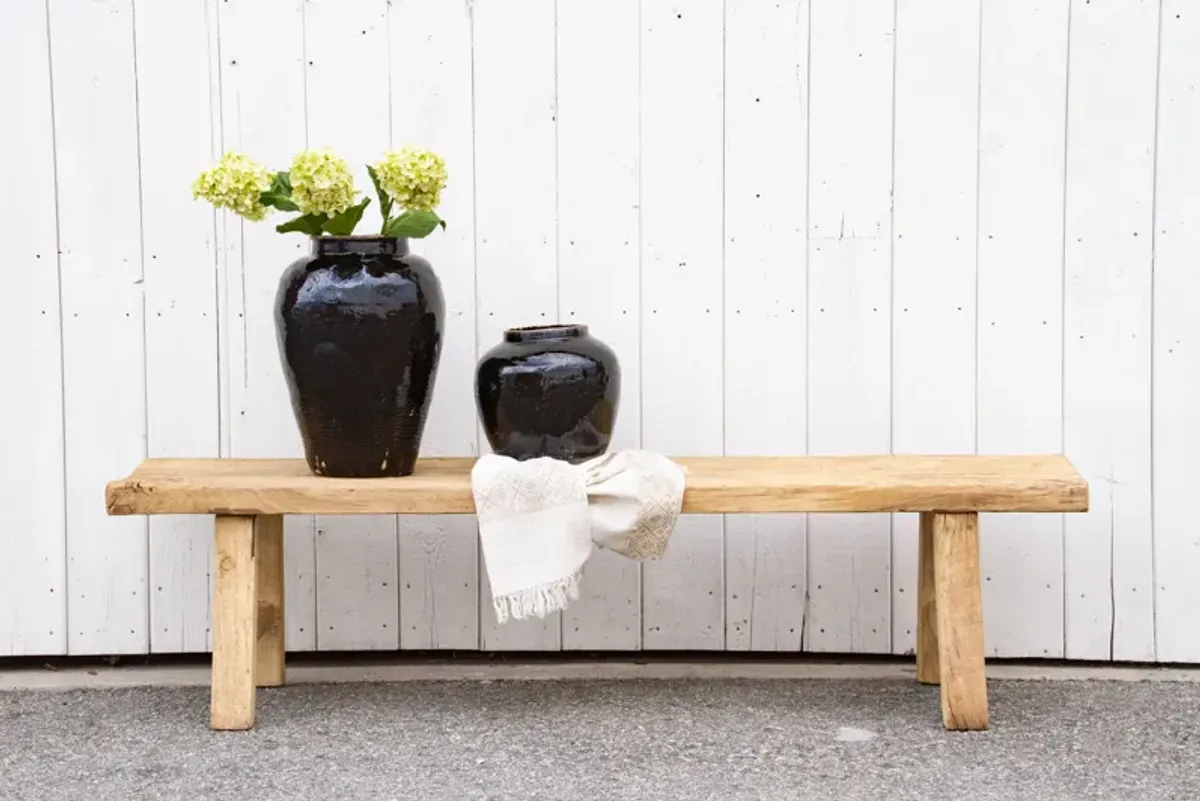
538 333
359 244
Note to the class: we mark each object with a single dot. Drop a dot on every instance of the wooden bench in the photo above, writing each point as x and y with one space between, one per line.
250 496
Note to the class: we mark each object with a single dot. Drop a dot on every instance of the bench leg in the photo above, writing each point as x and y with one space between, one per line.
927 638
959 621
268 666
234 624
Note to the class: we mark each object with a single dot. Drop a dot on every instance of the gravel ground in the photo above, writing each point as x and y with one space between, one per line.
606 740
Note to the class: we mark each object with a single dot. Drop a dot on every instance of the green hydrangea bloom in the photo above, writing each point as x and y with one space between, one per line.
235 183
321 182
413 177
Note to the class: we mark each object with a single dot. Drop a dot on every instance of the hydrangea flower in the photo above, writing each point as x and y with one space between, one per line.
413 177
321 182
235 183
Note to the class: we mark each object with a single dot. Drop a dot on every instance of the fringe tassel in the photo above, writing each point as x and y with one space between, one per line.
539 601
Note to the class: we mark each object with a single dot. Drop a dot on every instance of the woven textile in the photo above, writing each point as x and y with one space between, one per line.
540 520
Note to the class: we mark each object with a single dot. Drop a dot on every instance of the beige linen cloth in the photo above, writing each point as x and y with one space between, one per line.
540 520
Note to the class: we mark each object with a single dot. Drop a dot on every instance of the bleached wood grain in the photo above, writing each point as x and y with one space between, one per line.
566 117
849 310
33 580
1176 415
1108 558
104 379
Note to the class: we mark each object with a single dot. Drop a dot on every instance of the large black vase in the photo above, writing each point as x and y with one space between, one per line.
549 391
359 324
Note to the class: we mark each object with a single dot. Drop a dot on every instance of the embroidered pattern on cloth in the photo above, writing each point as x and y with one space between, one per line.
658 509
540 519
635 498
516 491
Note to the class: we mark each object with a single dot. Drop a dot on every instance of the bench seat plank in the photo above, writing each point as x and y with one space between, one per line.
715 485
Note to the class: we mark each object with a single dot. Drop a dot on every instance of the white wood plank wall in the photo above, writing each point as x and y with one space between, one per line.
806 226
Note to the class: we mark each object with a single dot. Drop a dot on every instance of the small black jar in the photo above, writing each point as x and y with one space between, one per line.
549 391
359 325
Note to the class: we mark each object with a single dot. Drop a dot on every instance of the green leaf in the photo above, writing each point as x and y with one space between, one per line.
278 200
385 200
279 195
415 224
343 224
306 224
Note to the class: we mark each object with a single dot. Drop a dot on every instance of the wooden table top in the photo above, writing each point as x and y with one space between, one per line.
714 485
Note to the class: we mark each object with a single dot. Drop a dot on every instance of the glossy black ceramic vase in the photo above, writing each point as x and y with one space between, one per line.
549 391
359 323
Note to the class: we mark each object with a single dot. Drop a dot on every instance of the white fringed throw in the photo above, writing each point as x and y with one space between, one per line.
540 519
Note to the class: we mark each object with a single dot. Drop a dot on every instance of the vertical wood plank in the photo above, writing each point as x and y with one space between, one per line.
176 105
33 591
432 106
346 63
598 247
516 227
1107 350
928 655
849 311
682 302
270 633
358 605
439 571
934 254
766 117
960 621
1177 338
233 624
96 142
226 253
1023 86
263 115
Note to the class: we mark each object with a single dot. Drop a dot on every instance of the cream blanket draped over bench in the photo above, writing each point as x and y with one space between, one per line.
541 519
